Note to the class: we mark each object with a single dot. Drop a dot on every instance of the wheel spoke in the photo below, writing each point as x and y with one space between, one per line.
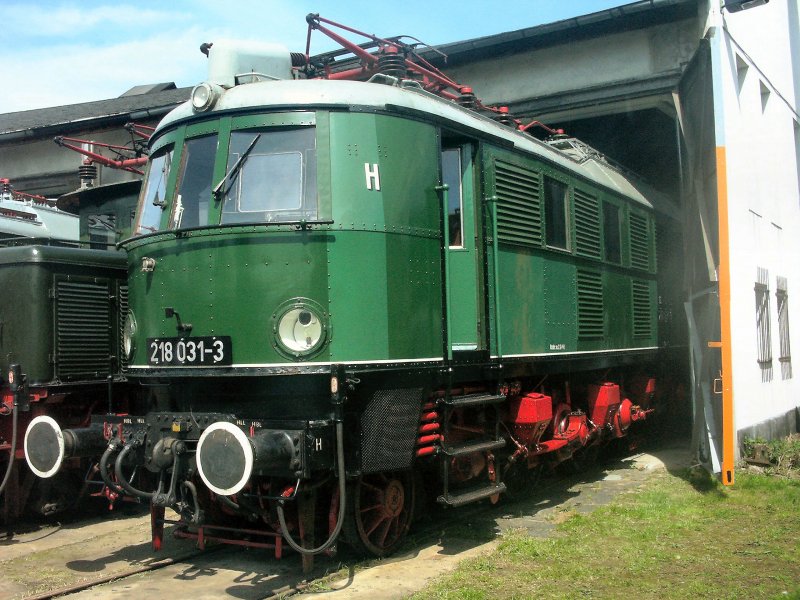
383 534
378 489
366 509
380 520
370 522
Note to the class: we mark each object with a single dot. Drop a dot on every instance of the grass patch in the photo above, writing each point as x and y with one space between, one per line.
679 536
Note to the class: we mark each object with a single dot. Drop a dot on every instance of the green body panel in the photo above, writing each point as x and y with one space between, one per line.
229 282
618 311
376 266
539 299
374 278
387 255
42 282
381 255
550 301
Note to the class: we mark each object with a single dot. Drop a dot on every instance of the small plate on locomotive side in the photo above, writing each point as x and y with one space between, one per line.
189 352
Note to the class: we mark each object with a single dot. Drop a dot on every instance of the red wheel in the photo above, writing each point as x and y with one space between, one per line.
380 509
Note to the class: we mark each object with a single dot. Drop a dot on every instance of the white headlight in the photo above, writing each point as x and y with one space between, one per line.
128 331
300 330
204 96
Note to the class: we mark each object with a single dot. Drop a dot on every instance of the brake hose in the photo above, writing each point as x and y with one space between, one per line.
193 493
121 478
340 518
113 446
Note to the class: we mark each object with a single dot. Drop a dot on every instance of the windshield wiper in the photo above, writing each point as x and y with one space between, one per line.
234 170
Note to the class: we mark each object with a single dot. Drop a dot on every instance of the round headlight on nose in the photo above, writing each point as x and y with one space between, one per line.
300 328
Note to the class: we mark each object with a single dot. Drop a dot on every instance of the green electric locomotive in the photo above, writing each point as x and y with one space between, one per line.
342 292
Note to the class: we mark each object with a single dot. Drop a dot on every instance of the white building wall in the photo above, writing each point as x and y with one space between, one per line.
759 122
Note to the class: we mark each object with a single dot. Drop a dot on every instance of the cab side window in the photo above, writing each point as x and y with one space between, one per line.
451 176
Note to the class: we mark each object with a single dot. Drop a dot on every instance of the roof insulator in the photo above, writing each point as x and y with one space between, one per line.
391 62
502 116
467 98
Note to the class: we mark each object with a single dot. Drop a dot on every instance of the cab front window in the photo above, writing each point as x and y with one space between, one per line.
272 176
193 193
154 190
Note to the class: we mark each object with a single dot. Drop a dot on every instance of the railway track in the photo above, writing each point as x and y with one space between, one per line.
245 573
87 585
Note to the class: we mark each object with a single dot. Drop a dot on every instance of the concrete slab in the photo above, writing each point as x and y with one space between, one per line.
232 573
403 575
59 556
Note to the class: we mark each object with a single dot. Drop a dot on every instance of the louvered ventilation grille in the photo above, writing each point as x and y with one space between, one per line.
642 324
83 325
123 312
640 246
519 212
587 225
590 305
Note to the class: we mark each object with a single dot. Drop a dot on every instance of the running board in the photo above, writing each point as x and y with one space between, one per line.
471 495
472 400
473 446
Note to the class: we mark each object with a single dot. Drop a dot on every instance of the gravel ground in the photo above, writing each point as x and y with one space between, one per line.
56 556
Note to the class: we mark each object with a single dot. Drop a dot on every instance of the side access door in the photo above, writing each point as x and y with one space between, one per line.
463 256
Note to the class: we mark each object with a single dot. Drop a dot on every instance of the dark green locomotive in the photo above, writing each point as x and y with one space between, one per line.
61 317
338 286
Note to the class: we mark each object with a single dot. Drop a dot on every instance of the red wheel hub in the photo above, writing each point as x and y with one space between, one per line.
393 498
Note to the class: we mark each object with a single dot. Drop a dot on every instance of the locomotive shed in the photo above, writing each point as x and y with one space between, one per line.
685 95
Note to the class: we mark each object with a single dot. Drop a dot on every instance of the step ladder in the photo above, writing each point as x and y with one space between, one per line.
489 440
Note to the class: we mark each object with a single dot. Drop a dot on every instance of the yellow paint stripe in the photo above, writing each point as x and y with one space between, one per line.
724 276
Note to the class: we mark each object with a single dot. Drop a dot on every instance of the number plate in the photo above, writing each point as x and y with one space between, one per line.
192 352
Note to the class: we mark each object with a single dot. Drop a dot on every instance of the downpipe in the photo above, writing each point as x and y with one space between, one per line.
16 383
197 514
13 450
337 399
342 503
